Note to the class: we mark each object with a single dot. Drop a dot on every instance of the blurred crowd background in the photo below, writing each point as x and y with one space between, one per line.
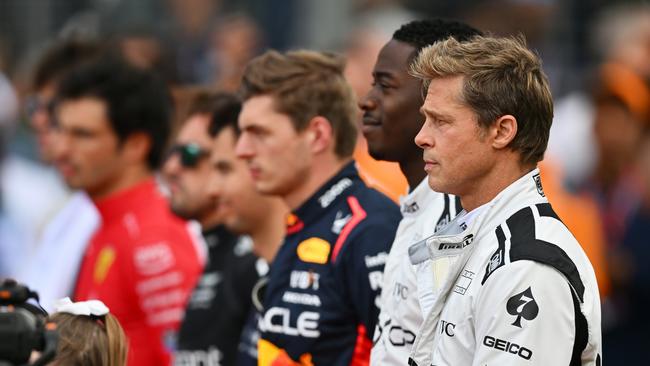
595 52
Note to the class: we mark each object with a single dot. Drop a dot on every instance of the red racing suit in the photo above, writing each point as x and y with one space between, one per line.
142 262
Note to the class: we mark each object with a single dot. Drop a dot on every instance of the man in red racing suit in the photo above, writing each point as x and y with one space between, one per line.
113 121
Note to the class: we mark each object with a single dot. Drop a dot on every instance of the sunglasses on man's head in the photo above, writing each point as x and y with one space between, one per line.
190 154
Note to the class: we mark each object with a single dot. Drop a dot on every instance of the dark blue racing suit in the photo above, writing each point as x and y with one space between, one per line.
320 301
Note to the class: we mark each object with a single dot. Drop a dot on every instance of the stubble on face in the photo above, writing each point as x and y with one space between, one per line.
457 152
277 155
89 155
189 185
391 118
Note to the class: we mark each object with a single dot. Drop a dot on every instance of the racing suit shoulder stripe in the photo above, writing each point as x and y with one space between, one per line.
582 332
525 246
361 355
552 255
522 227
545 210
358 214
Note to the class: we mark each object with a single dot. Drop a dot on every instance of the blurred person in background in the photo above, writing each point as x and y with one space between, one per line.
27 184
146 49
89 335
391 120
619 187
218 307
297 136
619 35
235 41
53 267
15 239
622 107
245 212
625 341
593 143
113 121
192 23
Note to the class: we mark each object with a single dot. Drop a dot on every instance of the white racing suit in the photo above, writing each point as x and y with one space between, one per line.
400 317
519 291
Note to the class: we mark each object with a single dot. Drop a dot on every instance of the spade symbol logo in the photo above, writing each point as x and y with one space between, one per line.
522 305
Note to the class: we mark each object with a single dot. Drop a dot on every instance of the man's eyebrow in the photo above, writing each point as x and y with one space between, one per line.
221 164
380 74
430 113
426 112
255 128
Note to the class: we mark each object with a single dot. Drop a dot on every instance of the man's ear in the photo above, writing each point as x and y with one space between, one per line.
504 130
320 134
136 147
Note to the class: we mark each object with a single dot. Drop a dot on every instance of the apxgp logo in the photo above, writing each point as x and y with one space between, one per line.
410 207
522 305
538 185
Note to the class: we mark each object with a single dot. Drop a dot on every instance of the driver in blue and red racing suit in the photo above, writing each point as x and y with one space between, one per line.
298 133
320 302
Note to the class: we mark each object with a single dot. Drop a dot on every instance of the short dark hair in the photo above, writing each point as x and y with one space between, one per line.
422 33
226 108
136 100
61 58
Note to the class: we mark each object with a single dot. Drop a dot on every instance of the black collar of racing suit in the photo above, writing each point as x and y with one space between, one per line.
217 234
324 198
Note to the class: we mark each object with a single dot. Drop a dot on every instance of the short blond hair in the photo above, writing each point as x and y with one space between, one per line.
501 76
306 84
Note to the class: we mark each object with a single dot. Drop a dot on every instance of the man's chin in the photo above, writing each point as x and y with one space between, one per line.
382 155
73 185
438 185
236 226
182 213
433 183
377 154
267 189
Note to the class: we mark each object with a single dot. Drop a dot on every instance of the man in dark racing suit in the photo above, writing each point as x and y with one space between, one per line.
220 303
245 212
297 136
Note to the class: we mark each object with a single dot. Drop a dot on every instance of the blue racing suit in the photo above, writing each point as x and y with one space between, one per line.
320 304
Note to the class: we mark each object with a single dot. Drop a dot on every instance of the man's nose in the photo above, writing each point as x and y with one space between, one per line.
423 138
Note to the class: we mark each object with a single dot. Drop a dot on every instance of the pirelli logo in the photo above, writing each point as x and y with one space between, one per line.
467 240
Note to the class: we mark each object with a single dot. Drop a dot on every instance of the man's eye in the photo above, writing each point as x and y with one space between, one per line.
384 85
82 134
381 84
